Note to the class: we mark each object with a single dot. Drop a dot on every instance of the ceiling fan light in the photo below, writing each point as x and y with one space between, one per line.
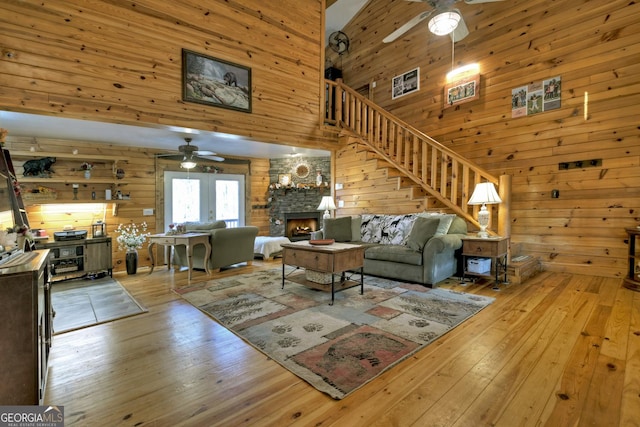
188 164
444 23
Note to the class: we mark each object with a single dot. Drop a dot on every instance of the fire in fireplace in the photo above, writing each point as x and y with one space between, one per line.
300 225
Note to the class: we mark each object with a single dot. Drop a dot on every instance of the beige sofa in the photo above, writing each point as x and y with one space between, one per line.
228 245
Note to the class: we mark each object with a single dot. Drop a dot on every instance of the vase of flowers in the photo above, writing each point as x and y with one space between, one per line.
24 238
86 167
131 238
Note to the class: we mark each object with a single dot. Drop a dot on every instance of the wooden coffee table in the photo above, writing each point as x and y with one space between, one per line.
333 259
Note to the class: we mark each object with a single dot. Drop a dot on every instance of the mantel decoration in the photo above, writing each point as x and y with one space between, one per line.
302 170
212 81
131 238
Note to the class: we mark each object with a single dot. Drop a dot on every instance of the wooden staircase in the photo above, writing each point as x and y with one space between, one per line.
439 171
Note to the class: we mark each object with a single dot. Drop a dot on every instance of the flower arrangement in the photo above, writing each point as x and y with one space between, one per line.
21 231
86 166
131 236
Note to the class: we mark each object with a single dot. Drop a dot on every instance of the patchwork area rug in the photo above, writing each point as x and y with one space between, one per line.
87 302
338 348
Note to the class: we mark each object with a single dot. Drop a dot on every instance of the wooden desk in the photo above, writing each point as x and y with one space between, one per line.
187 239
334 259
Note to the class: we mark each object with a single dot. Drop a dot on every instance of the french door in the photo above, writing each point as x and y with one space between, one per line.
204 197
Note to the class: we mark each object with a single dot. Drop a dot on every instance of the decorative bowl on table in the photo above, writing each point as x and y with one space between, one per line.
322 242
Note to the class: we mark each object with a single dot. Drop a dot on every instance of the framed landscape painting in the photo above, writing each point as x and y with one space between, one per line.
212 81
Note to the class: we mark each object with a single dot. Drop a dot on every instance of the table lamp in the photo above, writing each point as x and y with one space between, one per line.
326 205
484 193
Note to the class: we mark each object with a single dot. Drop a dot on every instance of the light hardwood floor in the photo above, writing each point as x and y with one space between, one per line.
558 350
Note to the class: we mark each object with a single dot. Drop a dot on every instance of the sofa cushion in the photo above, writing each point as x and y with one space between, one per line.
445 221
393 253
338 229
387 229
423 229
204 226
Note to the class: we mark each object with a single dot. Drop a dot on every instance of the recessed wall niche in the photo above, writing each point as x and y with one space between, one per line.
303 195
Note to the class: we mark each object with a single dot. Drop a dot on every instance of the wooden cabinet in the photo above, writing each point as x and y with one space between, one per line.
76 258
494 249
25 330
106 175
632 281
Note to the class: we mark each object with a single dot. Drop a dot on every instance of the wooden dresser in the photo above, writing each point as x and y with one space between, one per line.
25 330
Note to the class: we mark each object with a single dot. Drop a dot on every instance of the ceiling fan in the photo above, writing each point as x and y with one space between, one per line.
189 154
443 13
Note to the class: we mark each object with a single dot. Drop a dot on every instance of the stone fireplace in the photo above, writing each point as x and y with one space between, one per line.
300 225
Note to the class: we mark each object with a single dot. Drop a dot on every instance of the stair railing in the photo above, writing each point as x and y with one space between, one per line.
440 171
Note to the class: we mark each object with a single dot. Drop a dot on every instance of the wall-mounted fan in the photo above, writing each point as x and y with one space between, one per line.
339 42
189 155
437 7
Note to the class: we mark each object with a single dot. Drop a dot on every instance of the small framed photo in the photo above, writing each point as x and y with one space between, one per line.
405 83
284 179
212 81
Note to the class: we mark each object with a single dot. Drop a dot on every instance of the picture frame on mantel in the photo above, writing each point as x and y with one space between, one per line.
216 82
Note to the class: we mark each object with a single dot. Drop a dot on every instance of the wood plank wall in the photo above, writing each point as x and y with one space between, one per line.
593 46
143 177
120 62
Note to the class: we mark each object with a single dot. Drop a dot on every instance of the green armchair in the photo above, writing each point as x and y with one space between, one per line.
228 246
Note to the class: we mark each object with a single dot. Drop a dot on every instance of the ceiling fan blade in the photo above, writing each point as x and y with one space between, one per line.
214 158
407 26
461 30
176 157
204 153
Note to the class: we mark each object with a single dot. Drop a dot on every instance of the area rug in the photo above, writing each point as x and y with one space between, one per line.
337 348
87 302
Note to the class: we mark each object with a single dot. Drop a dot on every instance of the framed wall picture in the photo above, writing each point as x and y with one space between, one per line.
463 87
405 83
212 81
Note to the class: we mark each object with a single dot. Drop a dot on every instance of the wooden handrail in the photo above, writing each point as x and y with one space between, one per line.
440 171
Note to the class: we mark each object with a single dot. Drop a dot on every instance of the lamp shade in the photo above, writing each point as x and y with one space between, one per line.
484 193
327 204
444 23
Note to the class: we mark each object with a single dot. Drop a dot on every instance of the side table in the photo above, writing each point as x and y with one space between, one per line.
187 239
632 281
493 248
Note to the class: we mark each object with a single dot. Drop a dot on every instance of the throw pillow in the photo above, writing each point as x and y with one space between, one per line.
338 229
445 223
423 230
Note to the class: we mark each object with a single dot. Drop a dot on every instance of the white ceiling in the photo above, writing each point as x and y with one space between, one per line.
162 138
30 125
